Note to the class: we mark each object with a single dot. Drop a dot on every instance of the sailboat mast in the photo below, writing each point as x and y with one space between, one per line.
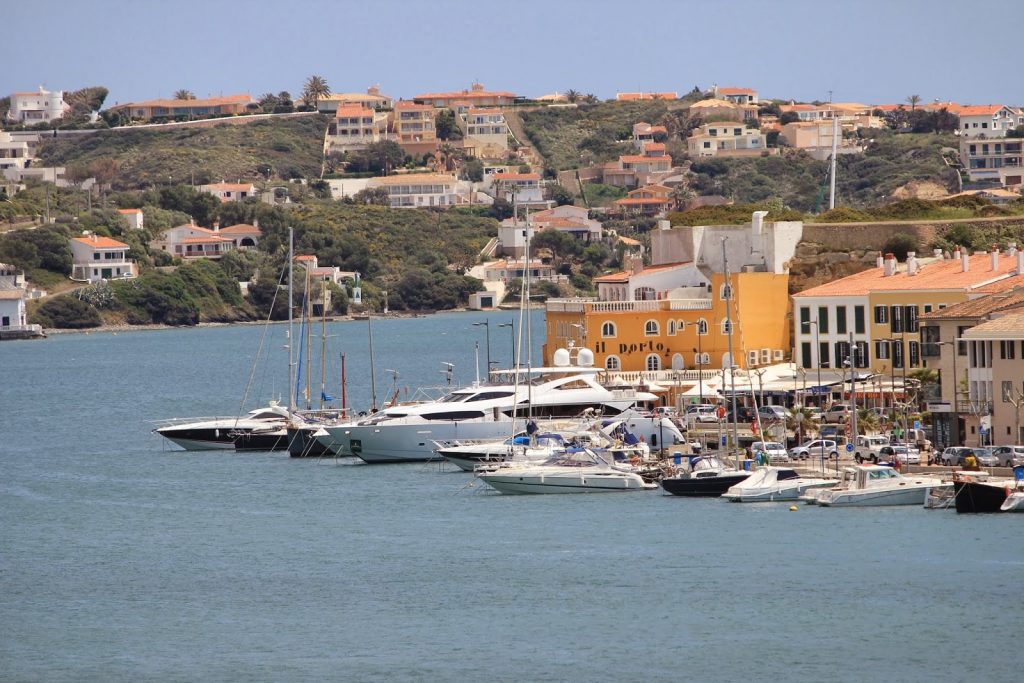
323 342
732 358
308 309
373 373
832 166
291 340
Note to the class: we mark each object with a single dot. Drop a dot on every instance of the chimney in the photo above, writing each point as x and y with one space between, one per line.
757 222
995 257
890 265
255 222
911 263
937 253
638 264
965 261
879 261
216 226
664 225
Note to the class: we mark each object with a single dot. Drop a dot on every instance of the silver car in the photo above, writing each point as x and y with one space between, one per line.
1009 456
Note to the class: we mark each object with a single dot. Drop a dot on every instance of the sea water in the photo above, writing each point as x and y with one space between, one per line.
123 559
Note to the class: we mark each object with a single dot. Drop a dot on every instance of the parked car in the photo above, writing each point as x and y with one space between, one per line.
985 457
831 431
953 456
778 413
1009 456
815 413
815 449
745 415
904 455
704 412
775 451
837 413
868 448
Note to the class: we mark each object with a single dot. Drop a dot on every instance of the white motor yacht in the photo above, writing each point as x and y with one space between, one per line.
485 413
875 485
468 457
775 483
260 429
575 471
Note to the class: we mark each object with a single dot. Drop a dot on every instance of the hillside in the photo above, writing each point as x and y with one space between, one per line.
285 148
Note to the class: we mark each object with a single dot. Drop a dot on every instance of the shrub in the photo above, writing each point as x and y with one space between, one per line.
899 244
66 312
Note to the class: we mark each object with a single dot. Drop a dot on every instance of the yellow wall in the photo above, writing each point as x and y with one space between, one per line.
934 298
763 321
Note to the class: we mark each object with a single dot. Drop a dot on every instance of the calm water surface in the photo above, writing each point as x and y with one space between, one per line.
121 559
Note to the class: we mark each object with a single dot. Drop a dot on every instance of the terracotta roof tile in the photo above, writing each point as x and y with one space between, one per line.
241 228
944 275
981 306
100 242
623 276
1009 326
980 110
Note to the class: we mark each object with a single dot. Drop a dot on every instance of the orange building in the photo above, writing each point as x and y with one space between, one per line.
676 314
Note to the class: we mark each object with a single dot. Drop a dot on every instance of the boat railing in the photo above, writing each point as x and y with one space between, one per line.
174 421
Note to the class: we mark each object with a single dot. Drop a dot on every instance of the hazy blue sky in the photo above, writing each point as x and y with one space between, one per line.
872 51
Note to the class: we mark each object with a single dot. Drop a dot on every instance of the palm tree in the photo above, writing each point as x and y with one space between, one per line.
184 95
572 95
913 100
867 420
800 422
314 90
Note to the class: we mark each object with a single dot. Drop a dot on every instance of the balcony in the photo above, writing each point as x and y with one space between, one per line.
594 306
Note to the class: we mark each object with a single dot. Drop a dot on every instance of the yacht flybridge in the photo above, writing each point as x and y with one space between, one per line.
496 410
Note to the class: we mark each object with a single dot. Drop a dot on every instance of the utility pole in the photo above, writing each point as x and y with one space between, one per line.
853 392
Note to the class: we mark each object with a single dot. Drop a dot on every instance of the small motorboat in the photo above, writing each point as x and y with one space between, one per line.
877 485
574 471
977 491
702 476
767 484
1013 503
230 433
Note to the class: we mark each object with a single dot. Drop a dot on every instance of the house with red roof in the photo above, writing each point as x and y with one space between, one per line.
735 95
413 126
194 108
521 188
96 258
727 139
644 96
985 150
135 218
190 241
354 127
650 200
476 96
644 134
37 106
230 192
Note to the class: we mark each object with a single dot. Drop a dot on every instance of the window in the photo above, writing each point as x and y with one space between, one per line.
930 342
897 354
842 354
805 355
911 318
961 346
1007 350
678 362
823 355
805 318
671 328
725 292
860 355
858 319
840 319
914 350
1007 391
651 328
896 321
881 315
927 308
653 362
702 326
612 363
726 326
608 329
823 319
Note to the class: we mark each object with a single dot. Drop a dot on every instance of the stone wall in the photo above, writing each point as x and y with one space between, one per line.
853 236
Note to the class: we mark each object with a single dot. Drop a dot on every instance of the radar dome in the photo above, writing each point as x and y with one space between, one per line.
585 358
561 358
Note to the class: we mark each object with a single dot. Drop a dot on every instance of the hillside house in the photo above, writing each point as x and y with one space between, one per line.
96 258
476 96
644 133
230 192
37 107
735 95
371 99
815 138
149 110
519 188
355 126
643 96
650 200
723 110
190 241
413 127
419 190
726 139
984 148
136 219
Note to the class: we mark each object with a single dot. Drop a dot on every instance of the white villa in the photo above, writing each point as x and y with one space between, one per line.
37 107
96 258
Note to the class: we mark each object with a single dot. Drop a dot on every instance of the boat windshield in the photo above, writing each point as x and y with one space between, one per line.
581 457
455 397
706 463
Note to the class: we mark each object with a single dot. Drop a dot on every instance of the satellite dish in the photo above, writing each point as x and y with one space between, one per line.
561 358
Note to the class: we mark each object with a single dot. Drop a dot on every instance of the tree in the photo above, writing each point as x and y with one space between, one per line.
314 90
104 170
789 117
473 170
268 102
912 100
377 196
378 157
559 194
284 103
572 96
899 244
446 127
184 95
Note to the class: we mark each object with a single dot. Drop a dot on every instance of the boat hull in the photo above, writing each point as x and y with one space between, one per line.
539 483
1013 503
276 440
200 442
775 493
977 496
905 495
379 444
303 443
702 487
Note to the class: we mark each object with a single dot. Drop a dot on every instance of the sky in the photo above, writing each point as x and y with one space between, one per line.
870 51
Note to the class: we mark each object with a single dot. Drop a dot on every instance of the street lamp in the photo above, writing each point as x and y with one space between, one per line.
487 324
817 353
511 324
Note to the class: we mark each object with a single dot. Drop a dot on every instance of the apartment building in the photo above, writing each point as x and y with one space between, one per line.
985 150
419 190
354 127
726 139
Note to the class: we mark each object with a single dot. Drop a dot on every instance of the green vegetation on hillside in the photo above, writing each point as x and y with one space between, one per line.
571 137
283 148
